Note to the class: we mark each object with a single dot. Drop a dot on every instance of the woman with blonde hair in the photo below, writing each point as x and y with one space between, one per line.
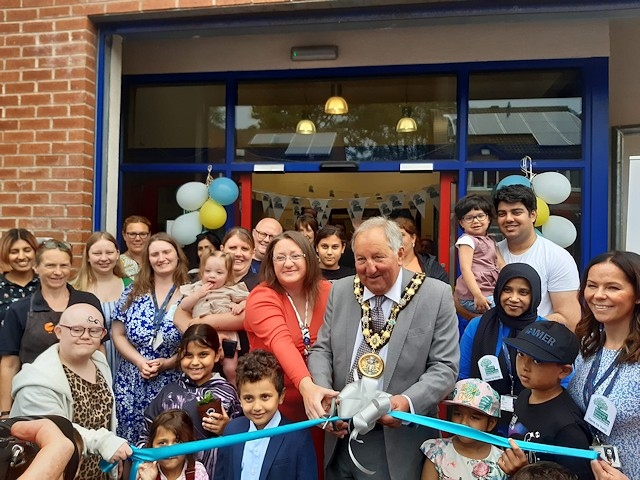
102 274
144 333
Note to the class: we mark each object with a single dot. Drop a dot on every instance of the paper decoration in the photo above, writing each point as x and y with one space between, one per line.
319 205
266 201
385 208
412 209
397 200
356 207
279 203
420 200
296 204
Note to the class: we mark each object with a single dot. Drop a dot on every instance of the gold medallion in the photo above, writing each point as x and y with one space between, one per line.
371 365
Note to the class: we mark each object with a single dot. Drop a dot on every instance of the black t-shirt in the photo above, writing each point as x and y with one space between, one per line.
15 320
558 421
337 274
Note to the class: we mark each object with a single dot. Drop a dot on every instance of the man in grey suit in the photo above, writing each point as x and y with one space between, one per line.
414 357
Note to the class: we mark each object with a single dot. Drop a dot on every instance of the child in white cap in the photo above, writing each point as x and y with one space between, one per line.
476 405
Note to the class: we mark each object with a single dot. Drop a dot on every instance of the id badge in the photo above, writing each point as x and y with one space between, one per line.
609 453
506 403
601 413
157 341
489 367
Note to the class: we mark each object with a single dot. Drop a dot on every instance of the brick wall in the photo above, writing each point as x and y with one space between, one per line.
47 110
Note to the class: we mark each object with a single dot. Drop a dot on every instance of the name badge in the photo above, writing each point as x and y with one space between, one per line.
489 368
157 341
608 453
601 413
506 403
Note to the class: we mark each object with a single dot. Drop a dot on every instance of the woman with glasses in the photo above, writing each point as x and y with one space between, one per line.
102 274
17 256
72 379
28 324
135 231
284 313
144 333
417 262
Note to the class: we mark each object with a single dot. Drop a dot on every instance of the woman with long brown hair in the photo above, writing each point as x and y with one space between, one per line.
144 333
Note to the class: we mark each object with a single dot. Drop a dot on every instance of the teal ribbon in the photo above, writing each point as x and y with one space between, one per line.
141 455
464 431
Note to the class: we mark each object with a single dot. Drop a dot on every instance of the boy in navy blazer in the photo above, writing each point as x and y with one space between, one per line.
291 456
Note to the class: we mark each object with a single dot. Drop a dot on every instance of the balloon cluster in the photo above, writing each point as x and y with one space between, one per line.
204 203
551 188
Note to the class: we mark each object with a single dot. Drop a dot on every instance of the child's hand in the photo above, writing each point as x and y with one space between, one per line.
216 422
147 471
238 308
481 304
512 459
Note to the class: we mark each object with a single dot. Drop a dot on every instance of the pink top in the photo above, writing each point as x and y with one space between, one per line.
271 324
484 266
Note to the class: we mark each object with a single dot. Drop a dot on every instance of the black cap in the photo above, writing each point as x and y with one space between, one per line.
547 341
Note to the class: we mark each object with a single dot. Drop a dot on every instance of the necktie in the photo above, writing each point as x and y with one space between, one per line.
377 323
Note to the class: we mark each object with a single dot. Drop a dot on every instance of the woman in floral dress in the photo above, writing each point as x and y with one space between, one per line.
144 333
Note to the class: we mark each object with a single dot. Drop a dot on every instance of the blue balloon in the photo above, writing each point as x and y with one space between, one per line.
514 180
223 190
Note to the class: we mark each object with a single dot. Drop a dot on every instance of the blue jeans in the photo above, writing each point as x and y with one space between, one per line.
469 305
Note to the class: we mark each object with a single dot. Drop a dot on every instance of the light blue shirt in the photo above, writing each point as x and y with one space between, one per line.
255 451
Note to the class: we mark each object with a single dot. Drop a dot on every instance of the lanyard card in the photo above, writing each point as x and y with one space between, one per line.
489 367
601 413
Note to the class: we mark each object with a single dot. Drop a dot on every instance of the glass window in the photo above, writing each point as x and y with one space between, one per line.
535 113
268 113
175 124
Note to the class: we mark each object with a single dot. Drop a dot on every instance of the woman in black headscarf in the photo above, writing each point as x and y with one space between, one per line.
482 352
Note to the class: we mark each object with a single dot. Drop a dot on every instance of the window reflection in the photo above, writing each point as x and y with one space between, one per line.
513 114
268 112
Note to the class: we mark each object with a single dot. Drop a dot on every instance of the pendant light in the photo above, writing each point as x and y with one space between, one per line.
336 105
406 124
305 127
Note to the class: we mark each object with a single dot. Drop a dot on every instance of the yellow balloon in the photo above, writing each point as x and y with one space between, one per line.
543 212
212 215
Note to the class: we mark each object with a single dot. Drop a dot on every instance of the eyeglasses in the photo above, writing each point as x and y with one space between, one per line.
51 244
133 235
263 235
293 257
95 332
481 217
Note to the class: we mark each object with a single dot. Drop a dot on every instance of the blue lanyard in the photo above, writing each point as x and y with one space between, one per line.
160 312
591 385
507 358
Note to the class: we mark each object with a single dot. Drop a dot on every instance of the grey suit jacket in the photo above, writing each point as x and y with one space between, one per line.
422 360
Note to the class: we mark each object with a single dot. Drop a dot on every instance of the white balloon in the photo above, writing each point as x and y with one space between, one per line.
560 231
186 227
552 187
192 195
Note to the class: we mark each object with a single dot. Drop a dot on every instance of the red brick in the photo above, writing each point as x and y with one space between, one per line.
7 52
9 100
53 86
71 198
7 223
37 3
35 224
79 160
22 87
36 75
66 24
125 6
51 111
58 37
70 97
84 10
54 62
35 99
6 27
70 73
71 147
74 173
80 186
33 198
51 136
9 76
34 173
51 160
72 49
20 40
36 27
194 3
18 160
35 124
7 173
8 198
20 112
150 5
81 134
19 136
8 125
53 12
8 149
17 211
50 186
37 51
67 123
80 211
21 15
35 148
18 186
20 63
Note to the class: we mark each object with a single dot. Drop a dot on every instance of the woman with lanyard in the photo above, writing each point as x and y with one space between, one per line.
284 314
28 328
144 334
482 351
605 384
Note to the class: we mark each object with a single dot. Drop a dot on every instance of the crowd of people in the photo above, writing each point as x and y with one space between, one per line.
135 349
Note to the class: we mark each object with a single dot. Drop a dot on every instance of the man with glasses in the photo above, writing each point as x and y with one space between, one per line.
516 207
265 231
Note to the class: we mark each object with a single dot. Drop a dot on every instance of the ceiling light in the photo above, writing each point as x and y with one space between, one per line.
305 127
336 105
